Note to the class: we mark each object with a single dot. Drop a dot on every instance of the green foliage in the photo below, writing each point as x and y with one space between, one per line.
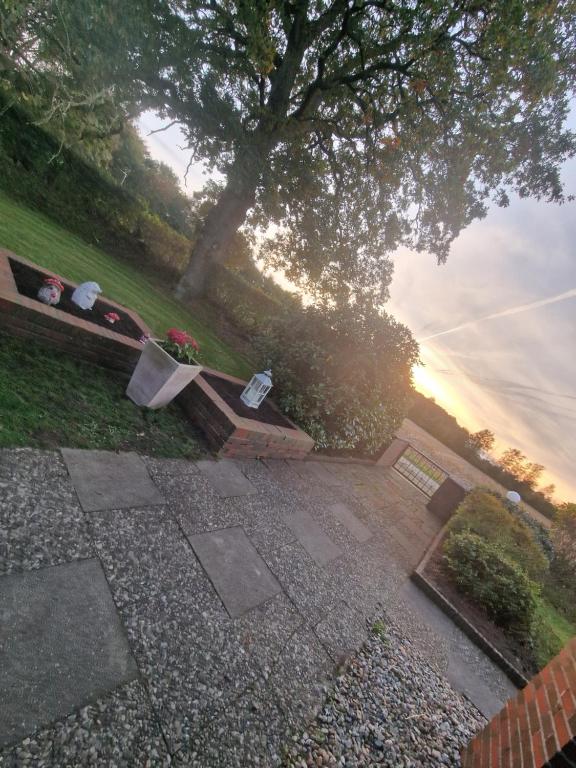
164 250
49 400
35 169
343 374
485 515
81 93
560 587
379 629
249 306
152 182
550 631
564 534
355 127
540 533
482 571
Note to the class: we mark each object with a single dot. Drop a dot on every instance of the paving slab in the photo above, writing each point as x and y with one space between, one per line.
349 520
319 546
107 480
251 733
226 478
119 730
62 644
41 521
300 679
310 587
342 632
145 553
238 573
468 670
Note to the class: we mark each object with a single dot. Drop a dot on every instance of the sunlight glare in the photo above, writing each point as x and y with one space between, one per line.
426 383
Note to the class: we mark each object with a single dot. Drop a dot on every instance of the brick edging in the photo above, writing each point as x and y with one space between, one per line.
418 577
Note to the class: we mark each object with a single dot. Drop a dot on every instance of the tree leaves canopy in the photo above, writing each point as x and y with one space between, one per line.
354 126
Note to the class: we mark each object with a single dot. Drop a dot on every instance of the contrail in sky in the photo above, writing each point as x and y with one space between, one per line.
506 313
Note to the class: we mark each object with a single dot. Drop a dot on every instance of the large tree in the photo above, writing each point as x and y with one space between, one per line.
354 126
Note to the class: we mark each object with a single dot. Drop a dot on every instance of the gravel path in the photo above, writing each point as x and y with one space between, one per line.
389 707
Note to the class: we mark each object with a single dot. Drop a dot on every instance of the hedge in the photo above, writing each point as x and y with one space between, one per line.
482 571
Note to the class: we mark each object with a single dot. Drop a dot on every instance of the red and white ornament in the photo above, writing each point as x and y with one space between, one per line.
51 291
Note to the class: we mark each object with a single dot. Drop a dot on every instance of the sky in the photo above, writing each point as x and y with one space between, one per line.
514 373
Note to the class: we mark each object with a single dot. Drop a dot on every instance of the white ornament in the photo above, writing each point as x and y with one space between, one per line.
257 389
86 294
49 294
514 497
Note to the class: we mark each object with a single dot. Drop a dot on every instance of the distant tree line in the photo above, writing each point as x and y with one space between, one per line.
512 469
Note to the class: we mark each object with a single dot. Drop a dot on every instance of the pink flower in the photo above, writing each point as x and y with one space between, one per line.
112 317
176 336
193 343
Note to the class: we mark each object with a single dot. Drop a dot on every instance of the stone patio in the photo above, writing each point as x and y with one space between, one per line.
215 601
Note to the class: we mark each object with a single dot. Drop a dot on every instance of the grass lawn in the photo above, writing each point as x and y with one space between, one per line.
36 237
551 632
49 400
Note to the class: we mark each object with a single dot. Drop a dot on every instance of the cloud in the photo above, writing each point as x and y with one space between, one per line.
570 294
498 327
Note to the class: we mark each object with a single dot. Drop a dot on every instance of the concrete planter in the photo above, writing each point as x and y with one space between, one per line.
158 378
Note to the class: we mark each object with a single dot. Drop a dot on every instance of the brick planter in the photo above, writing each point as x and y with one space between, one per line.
22 316
234 436
229 434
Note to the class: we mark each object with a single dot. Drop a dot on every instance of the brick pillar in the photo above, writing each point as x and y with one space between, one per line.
537 728
445 500
392 453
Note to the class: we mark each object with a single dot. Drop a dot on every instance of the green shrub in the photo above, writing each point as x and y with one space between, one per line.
551 631
560 587
163 246
247 305
482 571
486 515
342 374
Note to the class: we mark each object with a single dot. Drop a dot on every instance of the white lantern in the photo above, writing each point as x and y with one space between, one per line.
514 497
257 389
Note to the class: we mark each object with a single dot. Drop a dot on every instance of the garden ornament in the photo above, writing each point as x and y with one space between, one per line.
51 291
257 389
86 294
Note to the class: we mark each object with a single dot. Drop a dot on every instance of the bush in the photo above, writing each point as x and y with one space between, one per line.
560 587
550 632
342 374
163 246
482 512
483 572
247 305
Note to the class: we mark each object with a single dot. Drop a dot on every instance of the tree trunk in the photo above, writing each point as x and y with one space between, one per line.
222 223
238 197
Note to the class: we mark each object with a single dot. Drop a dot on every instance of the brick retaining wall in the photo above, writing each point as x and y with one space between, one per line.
234 436
22 316
537 728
